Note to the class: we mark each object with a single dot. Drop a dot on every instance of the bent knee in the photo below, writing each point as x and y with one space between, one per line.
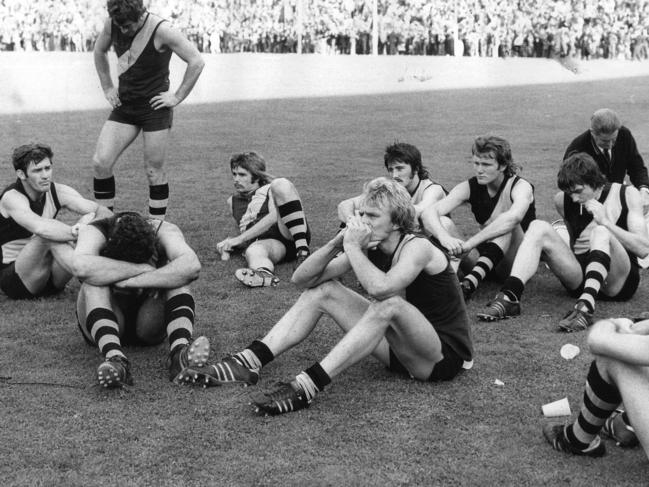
387 308
281 186
600 233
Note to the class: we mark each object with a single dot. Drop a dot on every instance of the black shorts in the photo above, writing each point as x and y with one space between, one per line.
13 286
628 289
446 369
129 303
275 234
142 115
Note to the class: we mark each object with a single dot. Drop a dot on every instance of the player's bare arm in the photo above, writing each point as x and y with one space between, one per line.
88 266
168 38
432 195
635 239
522 198
16 205
183 266
606 339
102 66
430 217
71 199
324 264
414 256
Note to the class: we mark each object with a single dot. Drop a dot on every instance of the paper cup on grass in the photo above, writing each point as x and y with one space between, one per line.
556 408
569 351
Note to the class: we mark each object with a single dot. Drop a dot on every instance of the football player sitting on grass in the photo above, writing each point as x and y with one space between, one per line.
415 321
619 373
135 274
270 218
599 260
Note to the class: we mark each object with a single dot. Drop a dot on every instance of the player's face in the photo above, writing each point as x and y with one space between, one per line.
38 176
128 28
242 179
403 174
487 169
379 221
605 141
581 193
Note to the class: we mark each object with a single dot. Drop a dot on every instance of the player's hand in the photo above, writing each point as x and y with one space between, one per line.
622 325
113 97
357 233
166 99
226 245
454 246
598 211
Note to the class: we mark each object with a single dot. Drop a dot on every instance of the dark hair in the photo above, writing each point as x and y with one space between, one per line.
25 154
497 148
131 239
123 11
254 164
579 169
408 154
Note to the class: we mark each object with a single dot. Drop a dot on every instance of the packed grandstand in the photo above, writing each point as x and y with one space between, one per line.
612 29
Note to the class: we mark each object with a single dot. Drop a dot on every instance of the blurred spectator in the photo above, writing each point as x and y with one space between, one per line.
613 29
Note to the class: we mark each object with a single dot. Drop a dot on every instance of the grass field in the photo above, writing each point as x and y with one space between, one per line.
369 427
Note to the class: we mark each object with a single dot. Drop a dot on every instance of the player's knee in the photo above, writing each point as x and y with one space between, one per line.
386 309
281 187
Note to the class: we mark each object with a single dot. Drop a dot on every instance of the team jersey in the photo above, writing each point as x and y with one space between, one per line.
580 222
418 194
439 298
143 71
486 208
249 208
13 237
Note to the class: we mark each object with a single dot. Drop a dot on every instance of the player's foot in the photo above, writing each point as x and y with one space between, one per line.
194 355
556 436
467 290
114 372
500 308
302 255
225 371
256 277
622 433
285 397
577 319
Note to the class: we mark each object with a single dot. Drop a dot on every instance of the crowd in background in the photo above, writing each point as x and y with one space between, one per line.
613 29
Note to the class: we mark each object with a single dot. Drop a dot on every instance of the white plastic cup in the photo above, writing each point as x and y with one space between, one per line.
225 255
557 408
569 351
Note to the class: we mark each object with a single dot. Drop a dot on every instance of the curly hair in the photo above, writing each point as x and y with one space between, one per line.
254 164
123 11
579 169
389 195
25 154
498 149
131 239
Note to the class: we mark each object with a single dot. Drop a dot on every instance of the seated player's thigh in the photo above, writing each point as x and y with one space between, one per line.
150 326
412 338
271 249
561 260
